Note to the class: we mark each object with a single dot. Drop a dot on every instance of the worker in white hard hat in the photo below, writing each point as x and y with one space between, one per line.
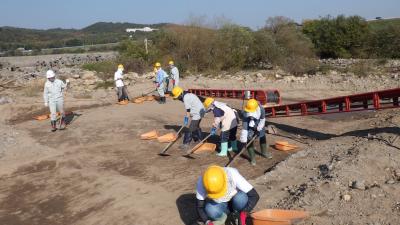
161 76
227 119
221 191
53 95
174 73
119 83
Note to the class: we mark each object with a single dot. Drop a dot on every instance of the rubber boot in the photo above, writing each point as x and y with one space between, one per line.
62 123
53 125
252 155
264 151
164 100
234 147
224 149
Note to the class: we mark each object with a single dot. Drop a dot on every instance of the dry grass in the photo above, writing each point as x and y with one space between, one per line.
34 88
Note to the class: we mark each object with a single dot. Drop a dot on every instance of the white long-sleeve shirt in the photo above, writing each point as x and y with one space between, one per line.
53 91
175 75
118 76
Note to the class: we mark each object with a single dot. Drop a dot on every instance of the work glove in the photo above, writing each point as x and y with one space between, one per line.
209 222
186 121
242 217
260 127
46 104
213 131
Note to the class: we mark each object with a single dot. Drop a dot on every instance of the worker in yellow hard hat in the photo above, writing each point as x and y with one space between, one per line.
174 74
195 111
253 123
222 190
119 83
161 76
227 119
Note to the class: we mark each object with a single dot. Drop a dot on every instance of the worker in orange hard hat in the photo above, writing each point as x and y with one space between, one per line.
253 123
223 190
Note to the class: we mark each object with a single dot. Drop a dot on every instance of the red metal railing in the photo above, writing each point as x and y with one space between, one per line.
264 97
376 100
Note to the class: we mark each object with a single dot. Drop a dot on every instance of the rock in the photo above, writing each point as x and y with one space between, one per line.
278 76
90 82
390 181
259 75
76 76
346 197
5 100
88 75
271 129
360 185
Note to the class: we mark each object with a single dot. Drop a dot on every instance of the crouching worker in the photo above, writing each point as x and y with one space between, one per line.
254 124
223 190
195 110
53 95
119 83
226 118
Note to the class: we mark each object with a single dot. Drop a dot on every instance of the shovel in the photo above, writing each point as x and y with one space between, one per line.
196 147
245 148
163 152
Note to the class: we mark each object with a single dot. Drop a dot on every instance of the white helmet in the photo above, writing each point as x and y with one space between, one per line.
50 74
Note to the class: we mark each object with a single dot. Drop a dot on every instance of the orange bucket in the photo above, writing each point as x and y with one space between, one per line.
278 217
139 100
149 98
284 146
170 137
124 102
206 147
42 117
149 135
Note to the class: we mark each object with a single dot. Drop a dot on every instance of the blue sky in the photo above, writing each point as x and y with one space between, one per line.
253 13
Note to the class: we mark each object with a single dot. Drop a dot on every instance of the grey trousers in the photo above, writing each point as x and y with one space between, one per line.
56 106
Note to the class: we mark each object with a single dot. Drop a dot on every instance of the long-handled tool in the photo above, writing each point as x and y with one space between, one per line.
245 148
188 153
163 152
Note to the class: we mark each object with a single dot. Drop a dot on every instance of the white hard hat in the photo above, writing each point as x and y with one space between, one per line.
50 74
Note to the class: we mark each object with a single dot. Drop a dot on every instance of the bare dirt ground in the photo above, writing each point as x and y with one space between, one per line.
98 171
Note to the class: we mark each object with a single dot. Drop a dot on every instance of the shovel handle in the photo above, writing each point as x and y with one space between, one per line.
198 145
172 142
245 148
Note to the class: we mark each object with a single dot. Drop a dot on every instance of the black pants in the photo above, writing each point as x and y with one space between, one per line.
193 133
229 135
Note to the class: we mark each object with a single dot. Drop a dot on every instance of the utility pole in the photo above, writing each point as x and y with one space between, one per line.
145 44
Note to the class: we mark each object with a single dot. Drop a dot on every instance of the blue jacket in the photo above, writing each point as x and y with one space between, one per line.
161 75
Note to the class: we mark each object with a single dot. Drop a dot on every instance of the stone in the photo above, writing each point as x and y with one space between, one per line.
88 75
360 185
76 76
346 197
90 82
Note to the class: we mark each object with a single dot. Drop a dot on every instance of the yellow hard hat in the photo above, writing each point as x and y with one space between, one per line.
215 182
176 92
120 66
251 106
208 102
171 62
157 64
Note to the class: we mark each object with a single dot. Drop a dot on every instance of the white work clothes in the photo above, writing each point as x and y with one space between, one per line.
53 90
236 182
161 75
175 75
118 76
224 115
53 94
194 106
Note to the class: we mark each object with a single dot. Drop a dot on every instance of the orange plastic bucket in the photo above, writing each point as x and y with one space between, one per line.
149 135
42 117
284 146
170 137
206 147
149 98
278 217
139 100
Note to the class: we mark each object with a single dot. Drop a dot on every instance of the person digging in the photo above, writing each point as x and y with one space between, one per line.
119 83
253 123
194 110
226 118
53 95
221 191
161 77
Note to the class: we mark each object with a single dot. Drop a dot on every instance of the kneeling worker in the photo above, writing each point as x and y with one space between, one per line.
223 190
195 110
226 118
